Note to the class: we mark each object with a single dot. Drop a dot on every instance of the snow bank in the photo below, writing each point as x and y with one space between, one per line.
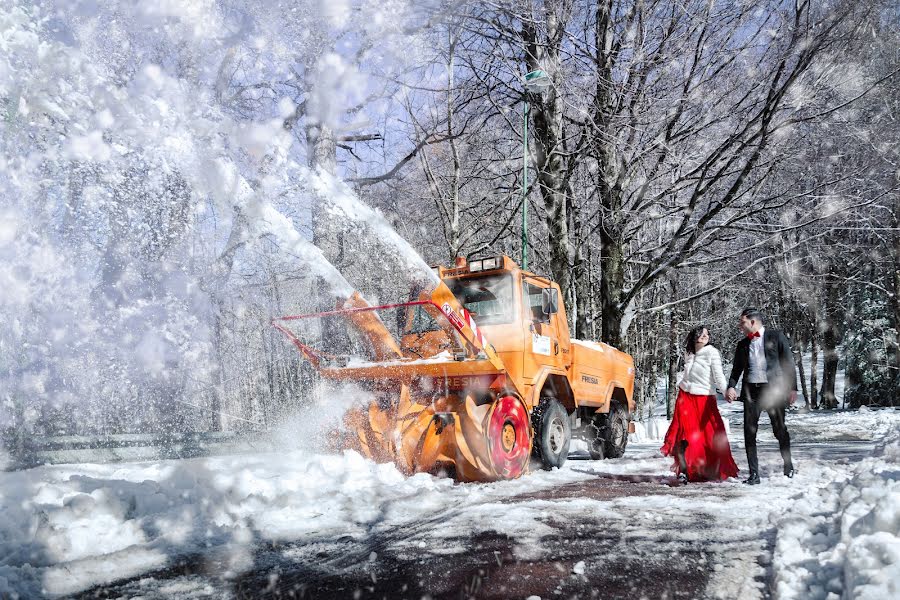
844 542
652 429
841 425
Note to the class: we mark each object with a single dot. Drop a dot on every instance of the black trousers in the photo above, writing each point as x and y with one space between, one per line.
752 411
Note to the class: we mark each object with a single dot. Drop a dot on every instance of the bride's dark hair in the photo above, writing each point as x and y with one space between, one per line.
693 334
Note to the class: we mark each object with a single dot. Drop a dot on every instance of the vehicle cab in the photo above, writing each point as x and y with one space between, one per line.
518 312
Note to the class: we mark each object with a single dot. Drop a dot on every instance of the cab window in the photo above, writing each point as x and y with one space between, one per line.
489 299
533 301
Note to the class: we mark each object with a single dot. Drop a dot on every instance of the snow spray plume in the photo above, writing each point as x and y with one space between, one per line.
119 311
346 205
265 219
110 325
313 427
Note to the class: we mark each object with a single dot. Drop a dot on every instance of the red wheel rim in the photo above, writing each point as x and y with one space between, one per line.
508 437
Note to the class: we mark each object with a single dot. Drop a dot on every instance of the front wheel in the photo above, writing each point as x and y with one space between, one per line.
508 437
553 433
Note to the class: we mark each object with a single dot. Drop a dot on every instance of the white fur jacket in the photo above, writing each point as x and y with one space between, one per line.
703 373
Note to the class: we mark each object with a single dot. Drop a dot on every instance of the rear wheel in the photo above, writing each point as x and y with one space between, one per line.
596 443
610 433
553 433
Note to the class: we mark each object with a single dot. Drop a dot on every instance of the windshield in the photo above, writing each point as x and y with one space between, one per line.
489 299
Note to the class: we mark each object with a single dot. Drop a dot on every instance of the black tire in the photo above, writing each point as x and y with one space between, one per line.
610 433
552 433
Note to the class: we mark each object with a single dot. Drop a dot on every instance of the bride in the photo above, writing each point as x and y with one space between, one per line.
696 437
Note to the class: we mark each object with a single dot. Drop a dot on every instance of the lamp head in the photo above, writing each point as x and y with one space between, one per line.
536 81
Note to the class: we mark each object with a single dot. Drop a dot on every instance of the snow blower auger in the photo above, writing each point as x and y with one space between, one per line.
453 411
447 400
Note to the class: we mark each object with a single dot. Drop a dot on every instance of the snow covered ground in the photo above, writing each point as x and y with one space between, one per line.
65 529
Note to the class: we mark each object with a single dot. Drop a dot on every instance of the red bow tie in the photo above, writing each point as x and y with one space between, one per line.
755 334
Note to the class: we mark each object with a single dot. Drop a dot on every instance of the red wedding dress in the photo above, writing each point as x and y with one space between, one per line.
697 421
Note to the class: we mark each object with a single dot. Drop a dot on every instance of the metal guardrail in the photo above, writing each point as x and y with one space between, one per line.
26 452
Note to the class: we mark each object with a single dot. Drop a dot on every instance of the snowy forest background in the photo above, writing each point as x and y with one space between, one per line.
174 174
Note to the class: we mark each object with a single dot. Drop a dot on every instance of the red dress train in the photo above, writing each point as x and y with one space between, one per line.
698 422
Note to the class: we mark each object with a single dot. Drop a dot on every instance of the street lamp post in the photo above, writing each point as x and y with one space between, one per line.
535 81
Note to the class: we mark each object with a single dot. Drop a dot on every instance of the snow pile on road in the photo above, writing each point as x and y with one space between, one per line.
844 540
65 529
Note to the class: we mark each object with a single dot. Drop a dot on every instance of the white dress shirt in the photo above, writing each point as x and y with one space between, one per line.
756 369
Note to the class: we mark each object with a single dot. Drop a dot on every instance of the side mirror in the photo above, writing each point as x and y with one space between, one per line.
550 301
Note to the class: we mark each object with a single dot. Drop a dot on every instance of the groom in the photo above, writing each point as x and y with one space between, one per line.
765 361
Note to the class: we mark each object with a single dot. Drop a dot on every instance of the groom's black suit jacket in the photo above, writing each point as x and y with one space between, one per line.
780 369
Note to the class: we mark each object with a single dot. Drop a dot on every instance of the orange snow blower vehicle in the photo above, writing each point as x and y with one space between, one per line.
472 378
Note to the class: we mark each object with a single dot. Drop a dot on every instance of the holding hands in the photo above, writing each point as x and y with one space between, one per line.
731 395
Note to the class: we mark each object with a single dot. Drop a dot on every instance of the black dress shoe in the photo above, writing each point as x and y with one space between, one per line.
752 480
789 472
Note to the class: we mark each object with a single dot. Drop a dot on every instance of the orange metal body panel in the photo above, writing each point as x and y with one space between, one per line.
597 369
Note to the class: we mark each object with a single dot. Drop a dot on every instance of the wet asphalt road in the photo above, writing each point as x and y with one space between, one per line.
674 557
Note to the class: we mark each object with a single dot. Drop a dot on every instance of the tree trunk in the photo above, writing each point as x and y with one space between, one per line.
322 157
813 371
455 233
799 358
322 147
327 235
893 349
829 372
592 305
612 283
215 404
673 365
831 338
547 113
612 257
581 275
321 152
555 205
673 356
